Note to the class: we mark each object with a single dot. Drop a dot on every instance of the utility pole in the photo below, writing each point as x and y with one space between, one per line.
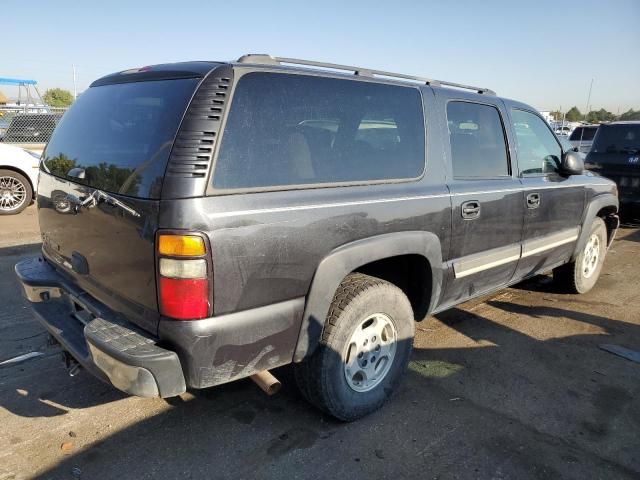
589 98
75 89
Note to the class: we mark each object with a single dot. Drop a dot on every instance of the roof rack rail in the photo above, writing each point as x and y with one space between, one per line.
363 72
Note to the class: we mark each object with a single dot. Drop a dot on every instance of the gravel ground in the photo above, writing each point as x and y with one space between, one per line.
511 386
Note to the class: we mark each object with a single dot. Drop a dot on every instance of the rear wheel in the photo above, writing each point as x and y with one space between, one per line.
581 275
364 351
15 192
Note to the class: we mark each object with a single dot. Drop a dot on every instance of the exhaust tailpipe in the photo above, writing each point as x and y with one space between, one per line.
267 382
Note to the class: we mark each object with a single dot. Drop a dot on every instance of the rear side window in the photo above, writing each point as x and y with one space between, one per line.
121 135
617 138
538 150
585 134
478 147
286 130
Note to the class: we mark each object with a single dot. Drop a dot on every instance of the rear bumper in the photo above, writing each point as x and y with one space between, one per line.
108 346
197 353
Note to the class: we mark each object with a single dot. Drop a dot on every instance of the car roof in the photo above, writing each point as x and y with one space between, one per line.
164 71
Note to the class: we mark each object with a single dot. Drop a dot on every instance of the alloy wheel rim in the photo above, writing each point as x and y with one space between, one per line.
591 256
13 193
370 352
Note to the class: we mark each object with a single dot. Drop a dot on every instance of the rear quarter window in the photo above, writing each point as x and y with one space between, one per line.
287 130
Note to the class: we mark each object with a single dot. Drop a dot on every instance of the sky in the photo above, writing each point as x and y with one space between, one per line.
544 53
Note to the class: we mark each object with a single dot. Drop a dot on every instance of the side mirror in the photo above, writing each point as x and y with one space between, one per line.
572 163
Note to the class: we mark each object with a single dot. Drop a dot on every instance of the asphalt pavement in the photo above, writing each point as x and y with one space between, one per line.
509 386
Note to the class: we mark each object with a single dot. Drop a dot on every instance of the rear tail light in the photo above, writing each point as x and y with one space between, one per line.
183 277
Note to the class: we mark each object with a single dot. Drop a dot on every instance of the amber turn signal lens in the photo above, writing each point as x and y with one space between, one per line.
181 245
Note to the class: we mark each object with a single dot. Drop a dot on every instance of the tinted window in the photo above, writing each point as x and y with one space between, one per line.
538 149
583 133
478 147
295 129
620 138
121 135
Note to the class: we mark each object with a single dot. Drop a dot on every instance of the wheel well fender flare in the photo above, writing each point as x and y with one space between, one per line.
591 212
347 258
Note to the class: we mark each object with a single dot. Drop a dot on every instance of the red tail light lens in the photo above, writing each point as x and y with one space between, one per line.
183 276
184 299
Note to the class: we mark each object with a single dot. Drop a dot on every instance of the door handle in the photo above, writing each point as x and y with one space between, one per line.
471 209
533 200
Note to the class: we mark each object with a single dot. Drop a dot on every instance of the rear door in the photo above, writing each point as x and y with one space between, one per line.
487 202
553 204
99 190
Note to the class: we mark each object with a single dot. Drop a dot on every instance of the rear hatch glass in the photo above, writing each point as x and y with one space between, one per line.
98 206
120 135
622 139
616 154
585 134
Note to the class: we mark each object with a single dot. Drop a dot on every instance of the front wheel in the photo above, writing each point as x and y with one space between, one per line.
581 275
364 351
15 192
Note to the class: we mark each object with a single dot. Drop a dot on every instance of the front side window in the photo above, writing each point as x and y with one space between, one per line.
538 150
285 130
478 146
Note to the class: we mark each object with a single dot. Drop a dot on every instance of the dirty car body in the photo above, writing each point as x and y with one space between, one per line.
276 246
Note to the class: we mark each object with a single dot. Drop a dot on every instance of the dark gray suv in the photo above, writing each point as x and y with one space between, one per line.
204 222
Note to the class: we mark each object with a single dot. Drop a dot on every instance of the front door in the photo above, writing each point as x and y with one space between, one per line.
553 204
487 202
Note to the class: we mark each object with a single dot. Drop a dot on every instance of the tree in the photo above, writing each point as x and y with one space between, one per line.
574 115
630 114
601 115
58 97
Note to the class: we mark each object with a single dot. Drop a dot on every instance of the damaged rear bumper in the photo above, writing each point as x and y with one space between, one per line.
196 354
107 346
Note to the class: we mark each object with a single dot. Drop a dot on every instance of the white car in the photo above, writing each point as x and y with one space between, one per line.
18 178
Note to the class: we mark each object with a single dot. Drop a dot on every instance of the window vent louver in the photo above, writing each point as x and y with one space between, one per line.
193 149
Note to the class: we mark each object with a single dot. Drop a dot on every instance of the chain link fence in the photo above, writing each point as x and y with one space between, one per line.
28 124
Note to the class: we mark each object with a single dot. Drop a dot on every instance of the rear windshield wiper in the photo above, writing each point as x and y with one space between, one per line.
99 196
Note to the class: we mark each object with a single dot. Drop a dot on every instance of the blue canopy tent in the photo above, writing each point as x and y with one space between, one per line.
22 84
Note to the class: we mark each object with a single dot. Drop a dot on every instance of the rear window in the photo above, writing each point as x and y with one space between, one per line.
121 135
619 138
583 133
286 130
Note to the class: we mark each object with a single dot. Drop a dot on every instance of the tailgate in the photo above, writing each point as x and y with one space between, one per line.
105 249
100 188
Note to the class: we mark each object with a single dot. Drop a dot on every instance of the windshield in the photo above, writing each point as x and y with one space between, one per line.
583 133
118 137
620 138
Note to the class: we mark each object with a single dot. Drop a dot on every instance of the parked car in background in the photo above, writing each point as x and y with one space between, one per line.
615 154
563 131
18 178
316 230
582 137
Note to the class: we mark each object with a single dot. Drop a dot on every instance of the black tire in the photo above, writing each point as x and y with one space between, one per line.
571 277
322 378
28 192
